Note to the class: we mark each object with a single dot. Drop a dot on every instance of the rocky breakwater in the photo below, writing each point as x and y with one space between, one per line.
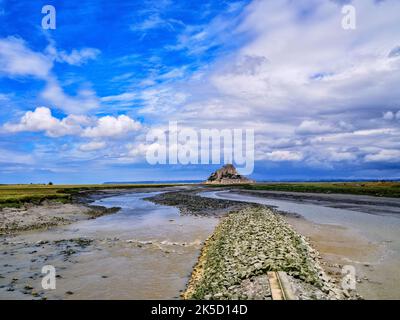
245 246
227 175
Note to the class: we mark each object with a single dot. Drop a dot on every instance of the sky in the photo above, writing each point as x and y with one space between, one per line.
78 101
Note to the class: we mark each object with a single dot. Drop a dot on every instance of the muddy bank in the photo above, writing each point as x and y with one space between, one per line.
17 284
144 251
246 245
51 213
362 203
376 273
47 214
189 203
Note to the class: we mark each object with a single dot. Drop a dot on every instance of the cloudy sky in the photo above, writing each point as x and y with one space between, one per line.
78 101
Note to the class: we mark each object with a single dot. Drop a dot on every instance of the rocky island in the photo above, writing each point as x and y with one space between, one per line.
227 175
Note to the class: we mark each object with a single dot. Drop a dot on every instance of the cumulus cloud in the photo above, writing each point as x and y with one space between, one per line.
391 115
41 119
388 115
109 126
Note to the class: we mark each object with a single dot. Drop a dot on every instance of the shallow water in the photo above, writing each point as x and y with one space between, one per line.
377 237
145 251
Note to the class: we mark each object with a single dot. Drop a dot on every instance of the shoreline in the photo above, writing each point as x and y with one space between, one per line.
319 238
49 213
355 202
339 247
146 252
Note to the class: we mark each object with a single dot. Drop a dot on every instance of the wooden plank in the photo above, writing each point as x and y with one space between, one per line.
276 290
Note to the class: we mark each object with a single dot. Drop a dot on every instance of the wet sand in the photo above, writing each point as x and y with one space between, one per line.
145 251
46 215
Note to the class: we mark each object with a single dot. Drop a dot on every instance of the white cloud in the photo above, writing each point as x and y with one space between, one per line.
283 155
391 115
317 127
4 97
160 102
77 57
41 119
7 156
334 155
152 22
311 90
92 146
109 126
123 97
388 115
197 39
384 156
136 152
16 59
84 101
300 80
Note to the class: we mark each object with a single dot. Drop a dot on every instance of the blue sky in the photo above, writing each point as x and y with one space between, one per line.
78 101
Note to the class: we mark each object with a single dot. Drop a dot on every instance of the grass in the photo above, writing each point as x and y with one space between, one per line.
379 189
376 188
16 195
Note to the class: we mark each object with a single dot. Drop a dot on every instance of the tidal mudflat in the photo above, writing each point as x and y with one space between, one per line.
145 251
148 248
